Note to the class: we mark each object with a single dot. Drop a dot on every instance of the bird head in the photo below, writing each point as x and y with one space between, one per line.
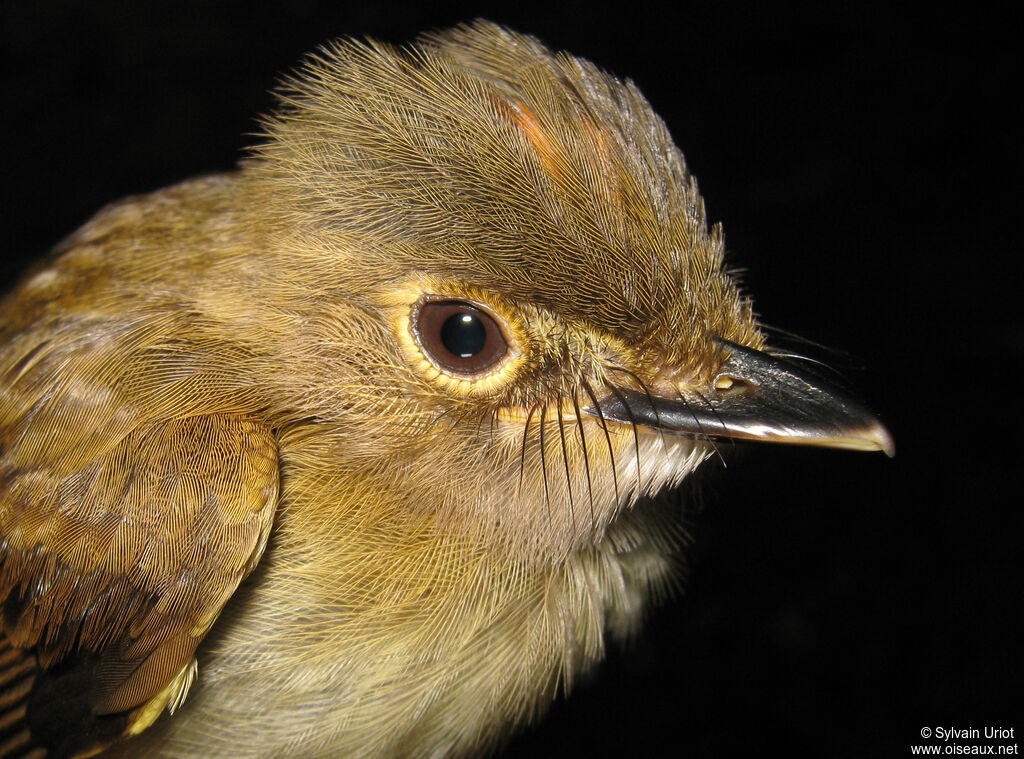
490 265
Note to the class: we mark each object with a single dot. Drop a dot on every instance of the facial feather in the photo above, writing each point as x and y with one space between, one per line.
431 346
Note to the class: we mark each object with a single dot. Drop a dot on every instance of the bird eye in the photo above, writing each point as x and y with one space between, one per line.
460 338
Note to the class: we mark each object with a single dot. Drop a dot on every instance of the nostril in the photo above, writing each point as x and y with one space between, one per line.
729 385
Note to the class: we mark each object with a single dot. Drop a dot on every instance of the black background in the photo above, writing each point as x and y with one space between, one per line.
865 163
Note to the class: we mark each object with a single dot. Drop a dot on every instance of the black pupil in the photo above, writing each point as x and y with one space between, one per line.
463 334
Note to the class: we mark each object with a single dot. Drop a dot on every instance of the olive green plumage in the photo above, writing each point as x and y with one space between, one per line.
371 364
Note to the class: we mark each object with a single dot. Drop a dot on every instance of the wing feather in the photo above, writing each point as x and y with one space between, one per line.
111 575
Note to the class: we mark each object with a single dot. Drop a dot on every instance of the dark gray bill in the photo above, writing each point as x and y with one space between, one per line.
769 400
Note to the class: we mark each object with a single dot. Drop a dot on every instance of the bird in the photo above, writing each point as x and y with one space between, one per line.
353 450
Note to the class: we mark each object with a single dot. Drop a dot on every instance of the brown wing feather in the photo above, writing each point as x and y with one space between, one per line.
110 576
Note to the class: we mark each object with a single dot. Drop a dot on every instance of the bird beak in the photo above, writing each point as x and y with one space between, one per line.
757 397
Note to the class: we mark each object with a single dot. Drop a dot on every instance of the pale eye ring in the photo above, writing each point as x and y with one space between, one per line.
460 338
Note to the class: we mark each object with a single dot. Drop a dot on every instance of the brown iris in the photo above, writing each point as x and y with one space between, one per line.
460 338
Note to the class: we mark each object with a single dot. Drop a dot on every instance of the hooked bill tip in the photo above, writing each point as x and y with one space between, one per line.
874 437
